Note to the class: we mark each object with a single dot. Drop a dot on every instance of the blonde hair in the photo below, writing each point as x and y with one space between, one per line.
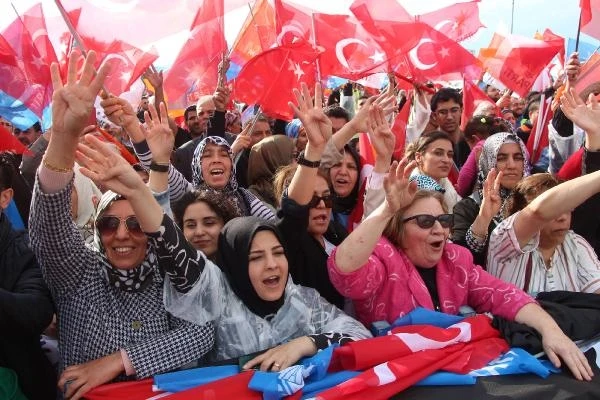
284 176
395 226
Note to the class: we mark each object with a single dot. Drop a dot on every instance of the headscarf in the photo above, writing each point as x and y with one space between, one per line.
425 182
292 129
231 188
235 241
86 190
488 160
232 116
345 205
129 280
266 157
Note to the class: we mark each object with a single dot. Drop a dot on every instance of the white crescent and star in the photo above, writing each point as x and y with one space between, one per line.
414 58
339 50
294 28
443 23
38 33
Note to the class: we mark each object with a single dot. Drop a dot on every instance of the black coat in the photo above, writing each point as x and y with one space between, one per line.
26 309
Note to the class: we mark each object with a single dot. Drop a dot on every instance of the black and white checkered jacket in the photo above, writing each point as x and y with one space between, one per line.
96 319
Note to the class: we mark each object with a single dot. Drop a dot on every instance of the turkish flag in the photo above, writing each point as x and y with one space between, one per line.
458 21
196 66
550 37
437 57
293 23
257 34
590 17
517 61
34 22
349 51
268 79
8 142
472 96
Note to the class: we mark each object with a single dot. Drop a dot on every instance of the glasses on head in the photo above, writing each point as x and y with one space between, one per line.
445 112
426 221
109 224
327 200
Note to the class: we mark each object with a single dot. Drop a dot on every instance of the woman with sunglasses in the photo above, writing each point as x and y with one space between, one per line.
112 321
399 258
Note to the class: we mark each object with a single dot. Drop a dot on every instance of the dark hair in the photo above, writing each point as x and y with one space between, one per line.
219 203
336 111
528 189
189 109
445 94
37 127
421 144
334 98
484 126
7 169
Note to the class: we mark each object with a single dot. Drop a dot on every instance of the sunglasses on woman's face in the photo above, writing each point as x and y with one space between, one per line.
425 221
327 200
109 224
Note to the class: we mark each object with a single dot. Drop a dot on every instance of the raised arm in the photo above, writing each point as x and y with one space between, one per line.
355 250
156 80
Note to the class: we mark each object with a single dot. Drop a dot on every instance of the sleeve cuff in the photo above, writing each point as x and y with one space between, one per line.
376 180
129 370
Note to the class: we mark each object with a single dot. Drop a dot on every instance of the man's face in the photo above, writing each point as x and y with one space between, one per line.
447 116
6 124
262 129
144 104
28 136
205 111
517 105
493 93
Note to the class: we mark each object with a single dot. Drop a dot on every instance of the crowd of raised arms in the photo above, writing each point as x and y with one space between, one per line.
224 240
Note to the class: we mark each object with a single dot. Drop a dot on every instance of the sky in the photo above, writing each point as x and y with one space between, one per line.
561 16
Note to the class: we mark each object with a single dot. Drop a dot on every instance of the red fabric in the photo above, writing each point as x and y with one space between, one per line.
517 61
134 390
257 34
472 96
293 23
590 17
573 167
349 50
399 128
534 153
8 142
436 57
268 78
196 65
23 73
551 37
130 158
234 387
589 74
458 21
34 22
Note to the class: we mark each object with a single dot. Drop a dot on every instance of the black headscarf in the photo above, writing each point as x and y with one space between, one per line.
345 205
234 246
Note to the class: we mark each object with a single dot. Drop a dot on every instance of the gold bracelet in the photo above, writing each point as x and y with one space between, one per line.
56 169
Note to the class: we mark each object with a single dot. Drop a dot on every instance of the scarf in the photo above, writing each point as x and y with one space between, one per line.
128 280
488 160
234 245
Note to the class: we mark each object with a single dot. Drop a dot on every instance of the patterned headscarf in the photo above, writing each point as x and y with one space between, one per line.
292 129
425 182
129 280
489 158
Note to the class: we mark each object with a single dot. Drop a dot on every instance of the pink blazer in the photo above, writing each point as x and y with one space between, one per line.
388 286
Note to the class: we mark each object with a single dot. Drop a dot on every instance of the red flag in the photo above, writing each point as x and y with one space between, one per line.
550 37
268 79
590 17
257 34
34 22
472 96
349 50
293 23
133 390
588 78
539 132
196 66
459 21
438 57
399 128
517 61
8 142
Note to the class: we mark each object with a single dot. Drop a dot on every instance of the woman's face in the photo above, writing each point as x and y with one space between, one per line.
424 247
124 249
344 175
301 140
319 215
511 162
436 161
201 227
268 266
235 127
216 166
553 233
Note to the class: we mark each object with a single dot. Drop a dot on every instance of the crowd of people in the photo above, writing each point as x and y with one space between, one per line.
162 247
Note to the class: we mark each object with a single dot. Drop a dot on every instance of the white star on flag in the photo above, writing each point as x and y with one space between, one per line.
296 68
126 76
37 61
377 56
444 52
193 74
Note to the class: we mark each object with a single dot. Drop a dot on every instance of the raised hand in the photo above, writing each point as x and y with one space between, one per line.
572 68
382 138
315 122
492 202
586 116
386 101
73 102
221 98
158 134
243 140
222 70
120 112
399 191
154 77
101 164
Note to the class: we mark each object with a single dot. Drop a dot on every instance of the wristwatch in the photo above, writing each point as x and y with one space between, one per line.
159 167
307 163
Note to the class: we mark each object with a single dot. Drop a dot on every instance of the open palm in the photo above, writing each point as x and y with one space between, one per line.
158 135
586 116
399 191
316 123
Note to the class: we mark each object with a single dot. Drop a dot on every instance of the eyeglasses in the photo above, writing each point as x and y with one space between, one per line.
327 200
445 112
425 221
109 224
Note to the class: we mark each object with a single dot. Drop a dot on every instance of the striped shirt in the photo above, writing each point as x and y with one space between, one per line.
574 265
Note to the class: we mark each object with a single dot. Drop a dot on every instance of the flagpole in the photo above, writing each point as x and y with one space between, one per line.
578 32
512 16
255 25
314 40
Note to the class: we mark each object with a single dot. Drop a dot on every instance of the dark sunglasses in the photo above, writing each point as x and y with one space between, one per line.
327 200
425 221
109 224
